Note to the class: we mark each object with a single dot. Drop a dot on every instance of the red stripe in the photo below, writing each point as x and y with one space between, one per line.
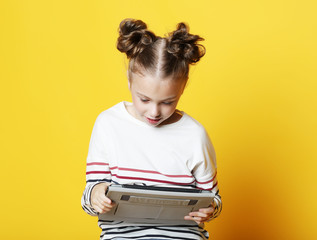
151 180
148 171
208 189
97 163
98 172
207 181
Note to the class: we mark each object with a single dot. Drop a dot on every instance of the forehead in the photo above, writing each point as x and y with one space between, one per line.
156 88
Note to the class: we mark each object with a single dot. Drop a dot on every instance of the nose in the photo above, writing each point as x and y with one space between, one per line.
155 111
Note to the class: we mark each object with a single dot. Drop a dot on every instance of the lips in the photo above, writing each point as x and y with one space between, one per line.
153 121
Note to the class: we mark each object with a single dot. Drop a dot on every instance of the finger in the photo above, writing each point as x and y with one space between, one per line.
198 214
198 220
207 210
102 208
103 198
103 203
97 208
105 209
201 217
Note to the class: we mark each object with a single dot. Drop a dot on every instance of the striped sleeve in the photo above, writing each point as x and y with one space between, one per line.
97 166
217 204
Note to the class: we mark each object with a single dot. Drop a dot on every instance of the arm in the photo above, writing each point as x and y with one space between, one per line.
205 172
98 175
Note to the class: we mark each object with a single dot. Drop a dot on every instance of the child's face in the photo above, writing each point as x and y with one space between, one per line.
154 99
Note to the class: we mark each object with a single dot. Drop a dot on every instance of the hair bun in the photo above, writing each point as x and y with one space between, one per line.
134 37
183 45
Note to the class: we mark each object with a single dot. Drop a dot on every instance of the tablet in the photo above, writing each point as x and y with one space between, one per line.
152 204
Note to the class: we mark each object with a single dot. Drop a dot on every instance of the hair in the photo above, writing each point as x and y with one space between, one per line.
162 57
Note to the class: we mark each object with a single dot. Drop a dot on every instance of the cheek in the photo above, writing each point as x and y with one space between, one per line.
169 110
136 103
139 107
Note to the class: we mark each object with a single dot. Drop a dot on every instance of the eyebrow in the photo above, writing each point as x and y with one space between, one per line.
142 95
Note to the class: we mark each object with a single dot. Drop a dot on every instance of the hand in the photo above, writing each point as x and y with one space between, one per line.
99 201
203 215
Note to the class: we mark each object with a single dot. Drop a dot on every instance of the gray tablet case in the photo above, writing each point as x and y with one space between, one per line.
149 204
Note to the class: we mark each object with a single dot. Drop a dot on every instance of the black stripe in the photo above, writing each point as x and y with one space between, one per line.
88 210
105 222
139 229
157 236
98 180
134 229
158 226
181 231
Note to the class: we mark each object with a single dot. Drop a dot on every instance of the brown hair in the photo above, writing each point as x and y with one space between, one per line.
164 57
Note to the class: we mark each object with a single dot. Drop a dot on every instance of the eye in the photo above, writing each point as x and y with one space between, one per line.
144 100
167 103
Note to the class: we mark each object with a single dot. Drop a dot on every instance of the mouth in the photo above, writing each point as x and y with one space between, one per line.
153 121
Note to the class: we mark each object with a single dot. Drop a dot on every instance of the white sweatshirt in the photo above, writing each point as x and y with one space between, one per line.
123 150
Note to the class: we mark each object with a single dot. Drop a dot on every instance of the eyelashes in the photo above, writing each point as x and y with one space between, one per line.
168 103
147 100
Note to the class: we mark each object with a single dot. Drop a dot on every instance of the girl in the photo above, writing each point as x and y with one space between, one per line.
149 141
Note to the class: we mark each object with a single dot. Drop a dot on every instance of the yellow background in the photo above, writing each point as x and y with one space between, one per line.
254 91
